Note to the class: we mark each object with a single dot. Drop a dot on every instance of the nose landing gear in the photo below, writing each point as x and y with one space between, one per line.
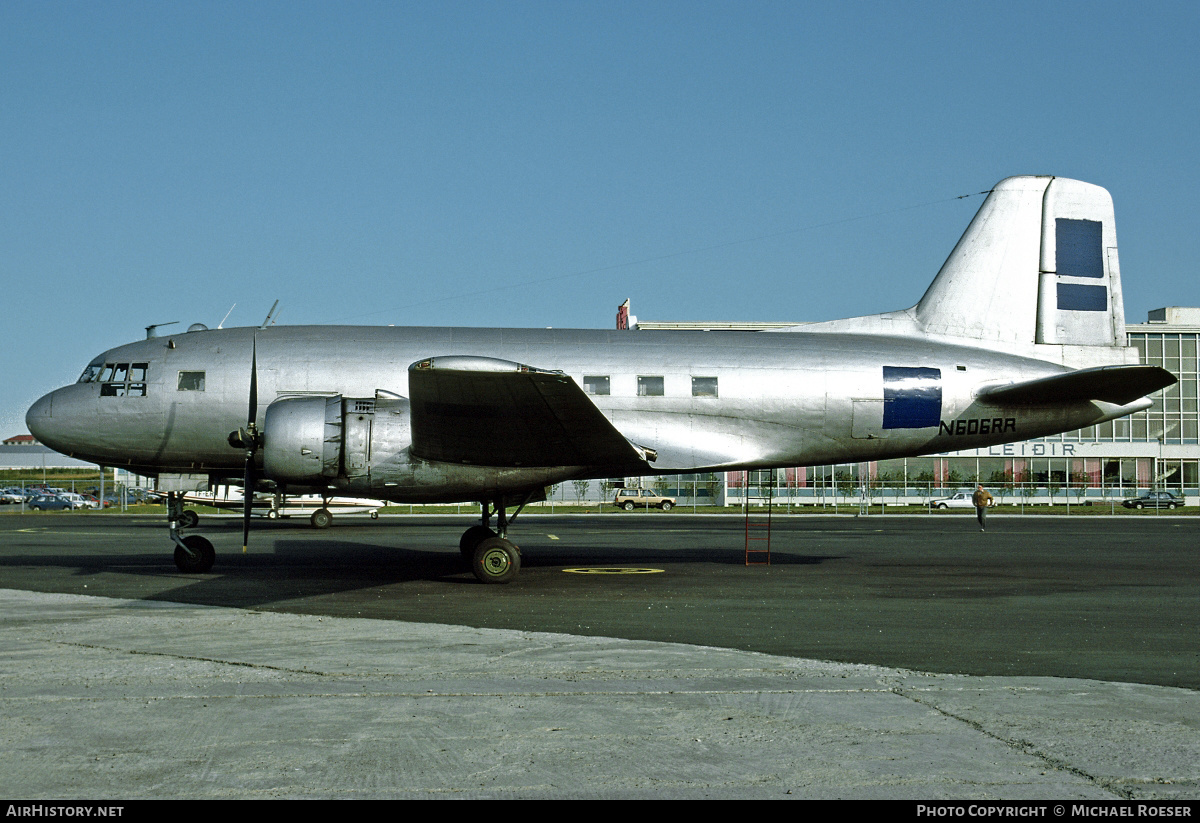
193 554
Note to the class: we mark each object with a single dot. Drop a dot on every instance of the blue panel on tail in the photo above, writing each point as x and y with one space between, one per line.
1072 297
1078 247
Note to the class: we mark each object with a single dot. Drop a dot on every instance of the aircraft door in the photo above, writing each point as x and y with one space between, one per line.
867 421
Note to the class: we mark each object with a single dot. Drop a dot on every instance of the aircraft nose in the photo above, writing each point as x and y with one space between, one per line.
41 422
38 416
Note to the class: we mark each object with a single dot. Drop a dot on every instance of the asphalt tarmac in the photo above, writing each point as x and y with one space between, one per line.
635 656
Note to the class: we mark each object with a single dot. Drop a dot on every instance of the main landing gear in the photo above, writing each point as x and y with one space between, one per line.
492 556
193 554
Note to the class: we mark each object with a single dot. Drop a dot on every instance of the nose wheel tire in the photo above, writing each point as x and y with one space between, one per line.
197 558
496 560
321 519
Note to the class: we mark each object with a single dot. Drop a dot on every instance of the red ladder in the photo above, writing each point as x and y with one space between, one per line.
758 521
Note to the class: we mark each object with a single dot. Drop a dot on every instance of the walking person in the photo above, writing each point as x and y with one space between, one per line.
982 499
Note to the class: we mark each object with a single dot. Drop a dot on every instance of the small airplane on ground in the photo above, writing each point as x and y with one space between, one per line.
274 505
1020 335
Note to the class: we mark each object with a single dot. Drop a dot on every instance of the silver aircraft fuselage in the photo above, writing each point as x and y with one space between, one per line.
729 400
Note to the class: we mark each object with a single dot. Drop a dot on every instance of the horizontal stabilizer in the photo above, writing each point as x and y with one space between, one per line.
488 412
1111 384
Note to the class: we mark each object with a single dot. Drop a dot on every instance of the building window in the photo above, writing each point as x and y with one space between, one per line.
191 381
650 387
704 387
593 384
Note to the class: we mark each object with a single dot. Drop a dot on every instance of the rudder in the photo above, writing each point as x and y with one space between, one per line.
1079 284
1038 264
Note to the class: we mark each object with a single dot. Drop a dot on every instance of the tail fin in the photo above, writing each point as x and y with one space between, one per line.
1037 265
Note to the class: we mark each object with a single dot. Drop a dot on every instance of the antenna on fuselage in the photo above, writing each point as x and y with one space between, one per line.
150 330
221 325
268 321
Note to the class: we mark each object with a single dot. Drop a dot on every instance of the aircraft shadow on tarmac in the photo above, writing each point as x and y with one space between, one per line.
289 560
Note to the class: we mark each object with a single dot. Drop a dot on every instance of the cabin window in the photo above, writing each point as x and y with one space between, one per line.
593 384
191 381
650 387
704 387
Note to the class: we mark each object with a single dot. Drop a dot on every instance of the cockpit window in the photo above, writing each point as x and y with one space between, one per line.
191 381
117 379
91 373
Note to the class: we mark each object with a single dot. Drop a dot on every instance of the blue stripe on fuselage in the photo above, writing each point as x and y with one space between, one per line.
912 397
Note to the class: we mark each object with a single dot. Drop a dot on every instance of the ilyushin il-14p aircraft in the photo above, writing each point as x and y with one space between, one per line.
1020 335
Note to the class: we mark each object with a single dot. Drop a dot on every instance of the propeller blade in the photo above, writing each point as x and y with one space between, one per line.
251 445
253 416
248 501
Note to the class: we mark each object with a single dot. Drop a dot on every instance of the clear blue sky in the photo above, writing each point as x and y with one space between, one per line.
536 163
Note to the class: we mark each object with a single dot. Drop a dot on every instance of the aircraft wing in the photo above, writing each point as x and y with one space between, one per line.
488 412
1110 384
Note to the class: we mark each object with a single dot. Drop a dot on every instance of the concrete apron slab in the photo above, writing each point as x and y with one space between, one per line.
107 698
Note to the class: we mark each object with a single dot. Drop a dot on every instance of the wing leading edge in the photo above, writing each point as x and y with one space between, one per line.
490 412
1110 384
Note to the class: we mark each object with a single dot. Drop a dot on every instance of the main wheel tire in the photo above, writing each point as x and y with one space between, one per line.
471 538
201 558
321 519
496 560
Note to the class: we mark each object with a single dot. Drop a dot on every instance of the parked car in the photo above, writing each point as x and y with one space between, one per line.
629 499
50 502
11 496
78 501
1154 500
958 500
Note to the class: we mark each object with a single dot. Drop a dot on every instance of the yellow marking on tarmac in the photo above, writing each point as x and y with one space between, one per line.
612 570
552 536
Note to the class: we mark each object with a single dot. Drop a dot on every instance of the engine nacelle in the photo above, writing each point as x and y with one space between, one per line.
302 439
313 440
